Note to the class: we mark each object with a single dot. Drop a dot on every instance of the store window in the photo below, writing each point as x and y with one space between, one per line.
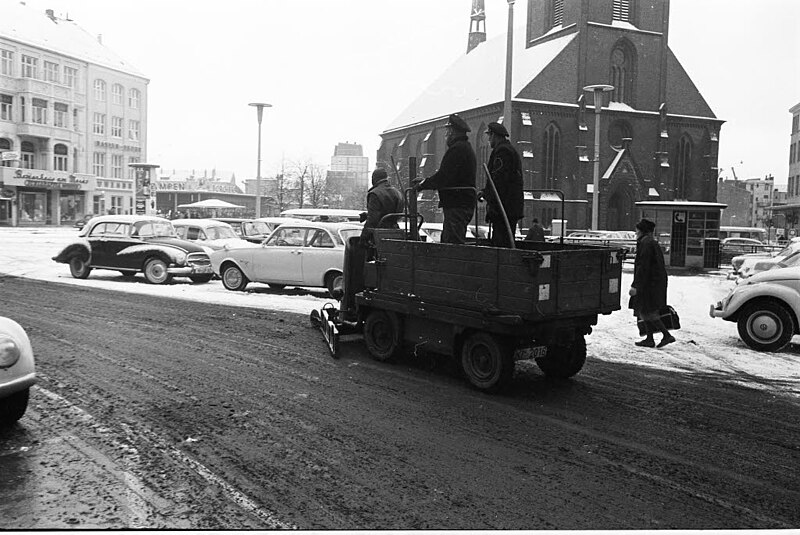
72 206
32 207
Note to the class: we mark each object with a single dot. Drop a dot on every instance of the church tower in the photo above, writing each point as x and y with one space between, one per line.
477 25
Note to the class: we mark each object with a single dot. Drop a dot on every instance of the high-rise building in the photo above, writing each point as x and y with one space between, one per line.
73 115
348 179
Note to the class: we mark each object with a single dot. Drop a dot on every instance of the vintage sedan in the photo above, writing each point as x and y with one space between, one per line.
765 307
17 371
296 254
132 244
210 233
248 229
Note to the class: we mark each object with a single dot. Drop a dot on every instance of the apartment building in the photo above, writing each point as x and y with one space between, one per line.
73 115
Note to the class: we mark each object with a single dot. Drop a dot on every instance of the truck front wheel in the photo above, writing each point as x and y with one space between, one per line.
564 361
382 335
487 361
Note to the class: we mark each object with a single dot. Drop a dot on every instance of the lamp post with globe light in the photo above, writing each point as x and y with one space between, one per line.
260 109
597 90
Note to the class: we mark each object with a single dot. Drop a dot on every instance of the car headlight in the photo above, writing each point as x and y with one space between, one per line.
9 352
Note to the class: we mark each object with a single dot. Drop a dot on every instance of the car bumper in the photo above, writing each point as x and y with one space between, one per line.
17 385
190 270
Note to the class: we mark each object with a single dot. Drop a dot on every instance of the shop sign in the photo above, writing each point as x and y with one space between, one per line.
9 155
140 207
112 145
169 186
24 177
6 194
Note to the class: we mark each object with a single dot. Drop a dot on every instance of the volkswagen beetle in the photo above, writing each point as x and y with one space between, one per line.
17 371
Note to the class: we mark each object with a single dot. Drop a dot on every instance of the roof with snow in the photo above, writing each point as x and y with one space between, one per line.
478 79
25 24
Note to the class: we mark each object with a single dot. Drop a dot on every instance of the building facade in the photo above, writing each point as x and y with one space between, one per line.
347 181
789 213
658 136
73 116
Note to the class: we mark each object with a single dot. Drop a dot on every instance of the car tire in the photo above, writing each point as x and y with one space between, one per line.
564 361
333 282
13 407
155 271
765 325
382 335
234 278
79 267
487 361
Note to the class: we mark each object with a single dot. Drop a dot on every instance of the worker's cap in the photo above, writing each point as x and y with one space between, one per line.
379 174
496 128
454 121
646 226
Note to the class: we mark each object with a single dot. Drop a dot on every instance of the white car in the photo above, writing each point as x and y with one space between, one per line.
433 232
745 265
17 371
296 254
274 222
765 307
209 233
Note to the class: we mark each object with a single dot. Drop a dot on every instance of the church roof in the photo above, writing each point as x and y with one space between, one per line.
478 78
34 27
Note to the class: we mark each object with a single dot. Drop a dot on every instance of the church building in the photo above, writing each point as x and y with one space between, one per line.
658 136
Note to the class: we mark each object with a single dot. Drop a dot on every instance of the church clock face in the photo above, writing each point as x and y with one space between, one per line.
618 57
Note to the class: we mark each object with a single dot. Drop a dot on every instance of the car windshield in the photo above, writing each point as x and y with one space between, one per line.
251 228
154 229
792 259
220 233
348 233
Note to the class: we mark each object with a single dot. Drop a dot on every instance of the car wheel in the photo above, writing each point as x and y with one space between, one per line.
487 361
155 271
333 282
79 267
128 273
233 278
765 326
13 407
382 335
200 278
564 361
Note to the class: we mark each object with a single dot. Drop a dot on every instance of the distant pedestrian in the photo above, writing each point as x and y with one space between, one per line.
649 289
505 167
536 232
382 199
455 181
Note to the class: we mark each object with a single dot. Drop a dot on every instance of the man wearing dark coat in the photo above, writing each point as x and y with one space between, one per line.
649 288
455 182
382 199
506 170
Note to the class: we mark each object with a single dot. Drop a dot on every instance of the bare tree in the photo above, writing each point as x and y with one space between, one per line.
308 178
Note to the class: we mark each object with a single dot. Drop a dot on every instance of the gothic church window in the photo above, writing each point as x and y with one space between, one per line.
618 131
622 72
683 169
551 145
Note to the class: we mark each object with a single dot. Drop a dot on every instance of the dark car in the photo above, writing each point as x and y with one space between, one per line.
79 224
248 229
131 244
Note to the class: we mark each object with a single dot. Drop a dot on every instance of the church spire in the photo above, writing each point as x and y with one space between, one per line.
477 25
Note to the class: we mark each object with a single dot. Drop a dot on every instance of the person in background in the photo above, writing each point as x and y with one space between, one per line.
382 199
536 232
649 288
506 170
455 181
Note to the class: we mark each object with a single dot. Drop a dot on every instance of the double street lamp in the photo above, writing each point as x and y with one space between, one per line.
260 108
597 90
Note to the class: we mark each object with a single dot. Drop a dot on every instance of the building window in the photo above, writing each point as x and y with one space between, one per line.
5 144
116 127
28 153
29 67
133 130
99 163
116 94
51 72
131 170
75 125
7 62
6 107
70 77
100 90
617 132
622 10
622 73
683 170
60 157
551 147
60 111
39 111
99 125
134 96
555 13
22 109
116 165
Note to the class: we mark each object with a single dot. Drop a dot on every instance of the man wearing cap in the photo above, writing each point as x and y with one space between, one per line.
382 199
455 181
505 167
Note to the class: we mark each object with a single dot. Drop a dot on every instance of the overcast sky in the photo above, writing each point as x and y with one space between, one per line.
342 70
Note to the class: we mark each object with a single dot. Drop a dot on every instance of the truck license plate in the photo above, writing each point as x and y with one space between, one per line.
538 352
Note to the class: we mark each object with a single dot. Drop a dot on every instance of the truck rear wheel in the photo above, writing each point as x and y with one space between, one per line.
487 361
382 335
564 361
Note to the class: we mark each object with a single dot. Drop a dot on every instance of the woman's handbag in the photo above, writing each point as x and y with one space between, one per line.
669 318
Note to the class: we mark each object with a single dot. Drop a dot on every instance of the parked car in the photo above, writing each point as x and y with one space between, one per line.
744 263
248 229
296 254
730 247
17 371
131 244
274 221
79 224
765 307
433 231
624 239
209 233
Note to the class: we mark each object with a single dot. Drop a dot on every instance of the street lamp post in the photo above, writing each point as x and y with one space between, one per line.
507 121
597 90
260 108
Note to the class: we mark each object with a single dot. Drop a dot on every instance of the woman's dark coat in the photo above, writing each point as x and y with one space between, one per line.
649 277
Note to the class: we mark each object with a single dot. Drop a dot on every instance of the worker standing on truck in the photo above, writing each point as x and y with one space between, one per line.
455 181
382 199
506 170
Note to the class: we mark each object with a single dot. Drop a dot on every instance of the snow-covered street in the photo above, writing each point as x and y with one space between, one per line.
704 346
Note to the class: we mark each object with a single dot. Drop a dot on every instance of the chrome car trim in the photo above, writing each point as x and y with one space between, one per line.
20 383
